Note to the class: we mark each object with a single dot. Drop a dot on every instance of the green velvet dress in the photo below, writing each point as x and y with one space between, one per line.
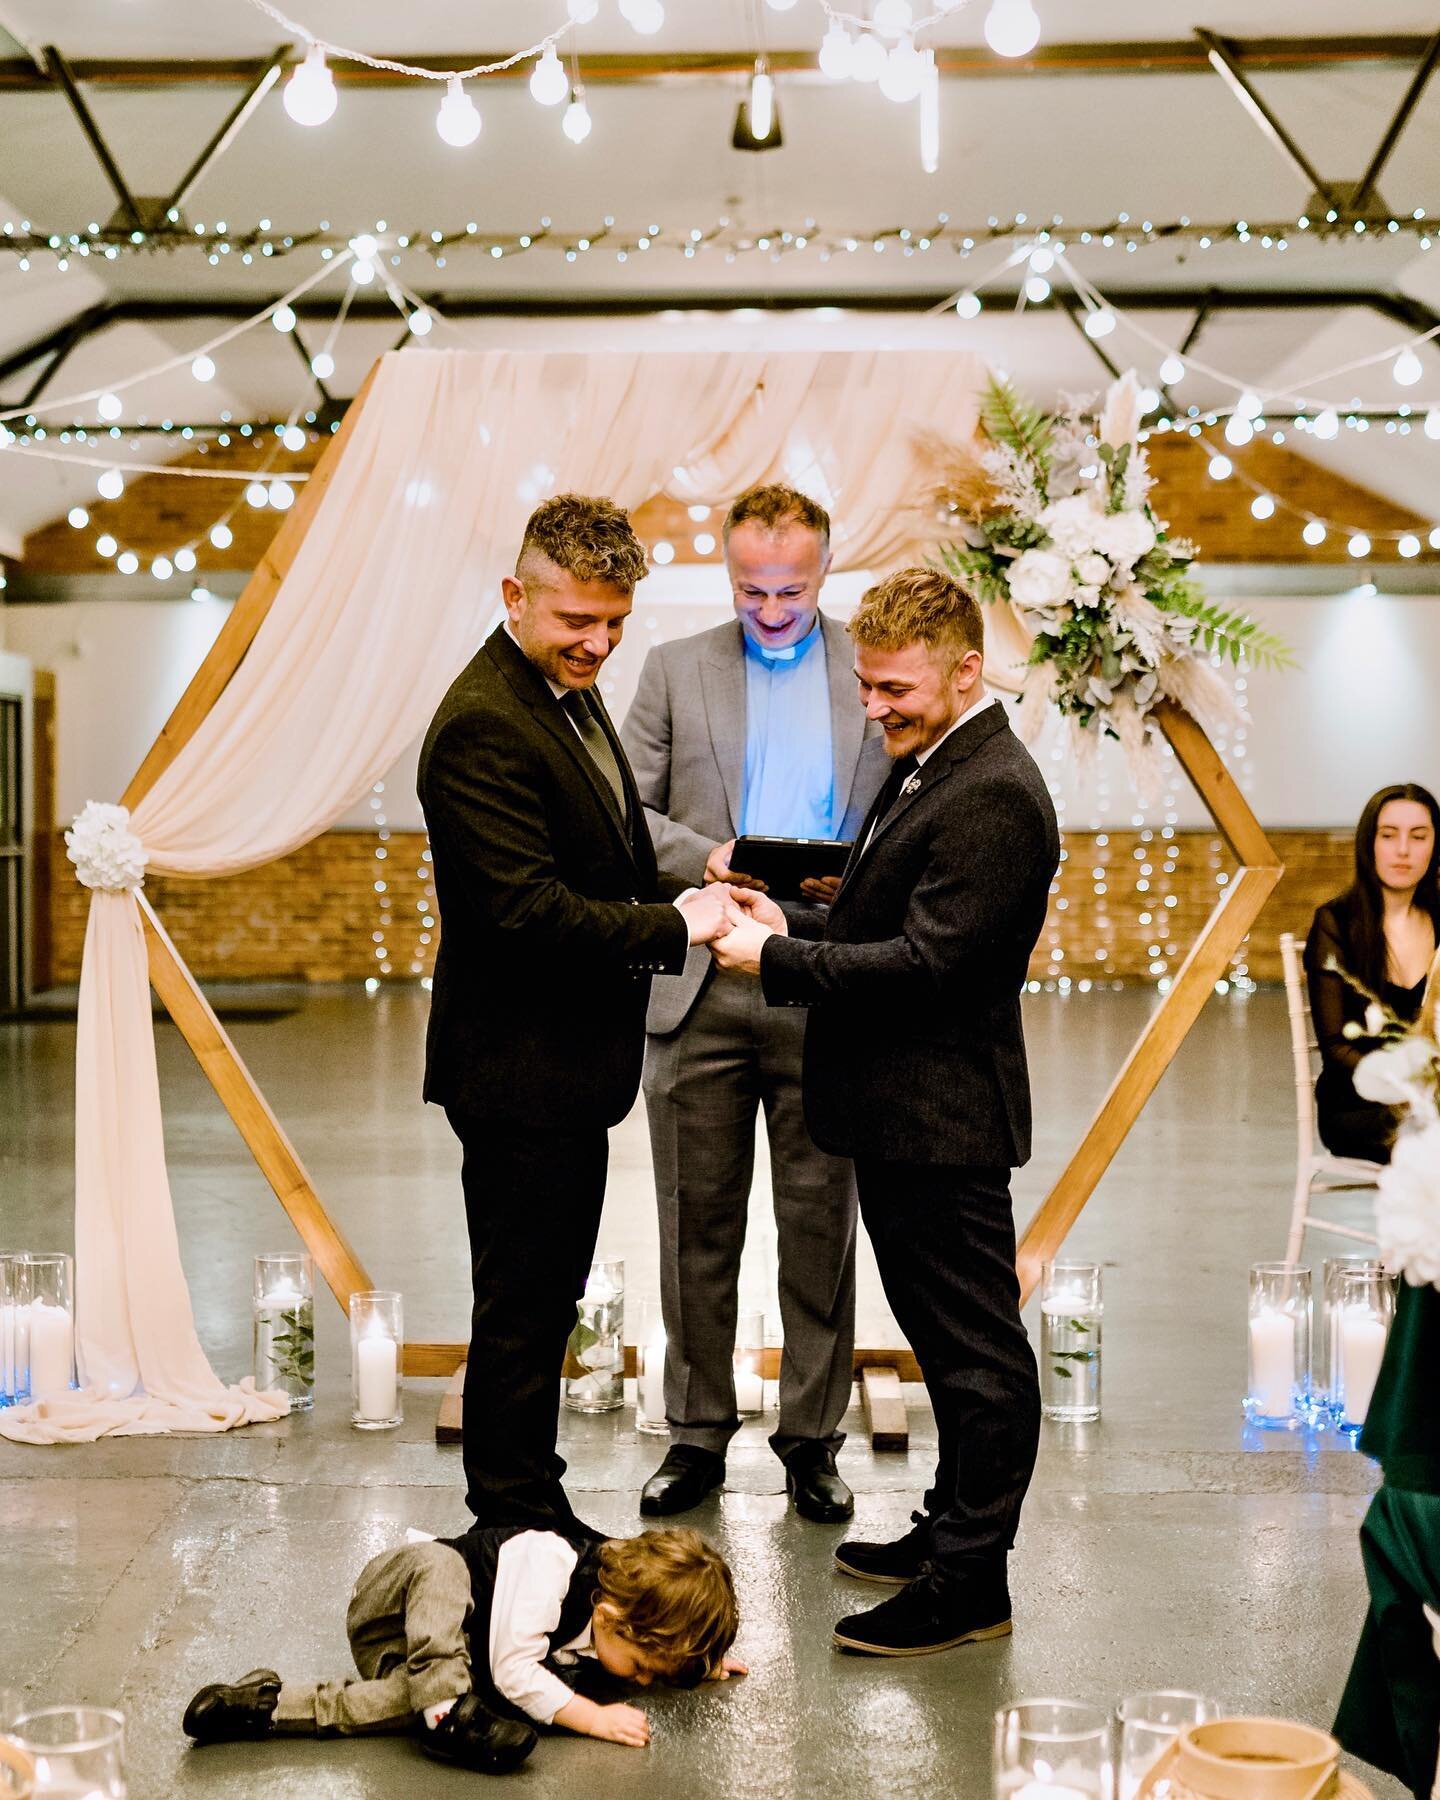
1390 1712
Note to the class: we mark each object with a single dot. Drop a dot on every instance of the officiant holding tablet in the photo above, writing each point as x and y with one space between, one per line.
750 731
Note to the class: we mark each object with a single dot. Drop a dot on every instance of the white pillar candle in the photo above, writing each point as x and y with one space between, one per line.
1272 1364
376 1368
52 1349
652 1377
749 1391
1362 1347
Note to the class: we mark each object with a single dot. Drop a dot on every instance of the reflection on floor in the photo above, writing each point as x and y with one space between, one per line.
1161 1548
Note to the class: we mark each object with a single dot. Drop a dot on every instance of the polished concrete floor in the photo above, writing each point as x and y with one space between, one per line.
1164 1547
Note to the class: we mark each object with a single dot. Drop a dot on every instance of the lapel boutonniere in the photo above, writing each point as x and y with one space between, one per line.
912 786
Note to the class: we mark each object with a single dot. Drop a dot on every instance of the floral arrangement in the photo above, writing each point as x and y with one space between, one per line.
1405 1072
1055 518
105 851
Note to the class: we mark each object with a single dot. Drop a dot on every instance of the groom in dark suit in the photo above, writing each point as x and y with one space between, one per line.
554 920
915 1066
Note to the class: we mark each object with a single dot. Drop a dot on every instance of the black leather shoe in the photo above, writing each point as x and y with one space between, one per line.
896 1564
683 1480
923 1617
815 1486
472 1737
225 1714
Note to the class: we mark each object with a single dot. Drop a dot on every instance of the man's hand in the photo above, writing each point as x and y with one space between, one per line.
740 947
706 912
717 868
763 911
731 1666
621 1724
820 888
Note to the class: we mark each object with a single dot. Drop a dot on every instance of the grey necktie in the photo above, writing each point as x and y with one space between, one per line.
592 735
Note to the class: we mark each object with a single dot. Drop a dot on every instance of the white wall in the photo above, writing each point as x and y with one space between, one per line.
1356 713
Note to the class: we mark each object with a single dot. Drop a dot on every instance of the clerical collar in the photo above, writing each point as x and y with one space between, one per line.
791 652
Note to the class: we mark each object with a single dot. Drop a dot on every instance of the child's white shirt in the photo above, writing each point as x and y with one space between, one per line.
533 1572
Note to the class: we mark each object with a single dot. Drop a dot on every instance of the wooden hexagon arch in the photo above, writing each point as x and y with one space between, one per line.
1209 957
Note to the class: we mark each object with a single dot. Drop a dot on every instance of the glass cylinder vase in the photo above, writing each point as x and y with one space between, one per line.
1359 1306
282 1316
1277 1392
1072 1314
650 1369
595 1358
1052 1750
749 1364
78 1751
14 1346
45 1322
377 1336
1149 1724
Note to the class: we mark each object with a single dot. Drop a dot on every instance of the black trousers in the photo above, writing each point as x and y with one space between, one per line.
944 1241
532 1204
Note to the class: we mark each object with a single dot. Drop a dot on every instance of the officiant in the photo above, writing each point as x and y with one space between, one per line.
749 729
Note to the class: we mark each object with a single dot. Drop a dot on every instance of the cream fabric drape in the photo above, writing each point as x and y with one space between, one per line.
387 599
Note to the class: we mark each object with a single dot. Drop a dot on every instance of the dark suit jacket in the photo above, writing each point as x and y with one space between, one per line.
914 1050
551 911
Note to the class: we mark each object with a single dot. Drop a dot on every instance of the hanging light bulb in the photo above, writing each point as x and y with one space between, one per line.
310 97
576 123
362 273
1149 400
903 73
1012 27
582 11
420 322
281 496
1359 544
1037 288
930 115
837 53
221 536
185 560
458 120
1099 323
1432 423
762 99
162 568
127 562
968 305
78 517
257 494
644 16
1327 423
867 59
203 369
1248 406
283 318
365 247
322 365
893 17
1220 467
549 83
1314 532
108 406
1042 260
1172 370
1238 431
1407 368
1262 507
293 438
111 485
105 545
1409 545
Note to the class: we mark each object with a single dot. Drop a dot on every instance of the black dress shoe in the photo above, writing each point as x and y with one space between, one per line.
226 1714
683 1480
815 1486
472 1737
924 1617
895 1564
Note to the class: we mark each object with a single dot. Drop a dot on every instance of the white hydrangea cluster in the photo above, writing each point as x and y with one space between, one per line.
105 851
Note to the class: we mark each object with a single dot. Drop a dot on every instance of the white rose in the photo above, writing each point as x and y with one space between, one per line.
1394 1076
1087 596
1039 578
1074 525
104 850
1407 1207
1125 537
1093 569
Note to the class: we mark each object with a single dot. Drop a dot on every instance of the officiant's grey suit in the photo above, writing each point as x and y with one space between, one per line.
715 1054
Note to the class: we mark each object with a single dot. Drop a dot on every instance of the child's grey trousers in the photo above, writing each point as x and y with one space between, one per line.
406 1625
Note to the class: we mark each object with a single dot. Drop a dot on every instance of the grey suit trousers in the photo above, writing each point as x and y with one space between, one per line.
704 1085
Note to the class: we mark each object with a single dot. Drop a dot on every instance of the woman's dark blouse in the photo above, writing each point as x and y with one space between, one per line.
1348 1125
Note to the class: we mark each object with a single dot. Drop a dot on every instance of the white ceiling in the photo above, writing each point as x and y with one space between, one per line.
1086 147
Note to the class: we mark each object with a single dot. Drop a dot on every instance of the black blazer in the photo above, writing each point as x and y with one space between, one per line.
914 1050
553 918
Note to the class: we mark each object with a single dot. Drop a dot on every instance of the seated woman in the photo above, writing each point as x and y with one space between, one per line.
1382 931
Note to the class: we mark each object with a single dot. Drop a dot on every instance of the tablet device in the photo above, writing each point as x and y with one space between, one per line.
783 863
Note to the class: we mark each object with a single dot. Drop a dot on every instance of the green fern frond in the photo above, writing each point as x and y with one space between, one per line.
1235 634
1012 421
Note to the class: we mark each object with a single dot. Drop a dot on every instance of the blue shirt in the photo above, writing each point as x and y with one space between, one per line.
789 787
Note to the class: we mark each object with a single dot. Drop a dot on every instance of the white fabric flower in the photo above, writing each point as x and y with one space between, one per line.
1394 1075
1039 578
105 851
1074 525
1092 569
1124 537
1407 1206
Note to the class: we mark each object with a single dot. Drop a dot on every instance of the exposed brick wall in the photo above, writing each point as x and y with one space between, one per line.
314 915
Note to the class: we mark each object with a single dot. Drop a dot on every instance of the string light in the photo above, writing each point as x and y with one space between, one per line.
203 369
111 485
1407 368
108 406
576 123
837 53
549 83
78 517
309 95
762 99
1012 27
458 120
283 318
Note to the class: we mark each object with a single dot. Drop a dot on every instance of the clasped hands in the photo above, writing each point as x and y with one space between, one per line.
733 922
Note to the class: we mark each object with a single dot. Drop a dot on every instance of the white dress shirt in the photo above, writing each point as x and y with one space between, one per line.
922 755
532 1576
